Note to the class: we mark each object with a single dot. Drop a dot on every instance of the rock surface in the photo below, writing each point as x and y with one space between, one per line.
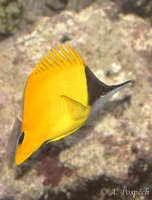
142 8
17 14
113 151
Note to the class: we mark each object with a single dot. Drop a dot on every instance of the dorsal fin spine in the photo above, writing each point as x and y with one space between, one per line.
55 59
41 66
71 52
48 60
80 58
65 53
62 58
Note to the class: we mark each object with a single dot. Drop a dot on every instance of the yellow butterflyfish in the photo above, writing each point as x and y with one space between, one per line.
60 95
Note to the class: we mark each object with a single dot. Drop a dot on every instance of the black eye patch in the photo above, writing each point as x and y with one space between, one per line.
21 138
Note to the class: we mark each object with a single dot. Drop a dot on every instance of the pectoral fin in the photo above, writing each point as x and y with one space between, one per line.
76 109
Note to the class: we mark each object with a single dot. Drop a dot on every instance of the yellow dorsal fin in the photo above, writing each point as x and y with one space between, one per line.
53 66
75 108
55 59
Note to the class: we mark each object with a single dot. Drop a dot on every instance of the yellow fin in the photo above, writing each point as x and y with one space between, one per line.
55 59
76 109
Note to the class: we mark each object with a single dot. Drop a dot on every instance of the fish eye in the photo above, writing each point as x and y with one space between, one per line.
21 138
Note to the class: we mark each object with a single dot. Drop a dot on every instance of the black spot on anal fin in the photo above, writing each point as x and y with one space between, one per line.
21 138
96 88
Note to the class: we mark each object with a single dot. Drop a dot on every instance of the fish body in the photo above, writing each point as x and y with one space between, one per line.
60 95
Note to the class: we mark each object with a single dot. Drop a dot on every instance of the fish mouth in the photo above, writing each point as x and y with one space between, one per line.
113 89
108 92
117 88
